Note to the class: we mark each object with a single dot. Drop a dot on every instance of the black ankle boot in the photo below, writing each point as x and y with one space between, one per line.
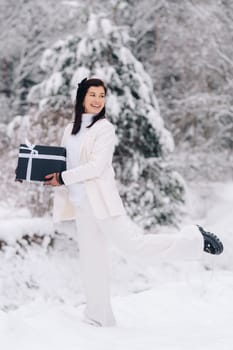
212 243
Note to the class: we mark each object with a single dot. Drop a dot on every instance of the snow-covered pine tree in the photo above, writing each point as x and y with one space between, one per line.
151 190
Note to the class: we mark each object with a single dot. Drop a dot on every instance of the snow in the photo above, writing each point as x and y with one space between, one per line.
47 61
168 317
82 49
14 124
53 84
10 234
106 73
70 3
155 119
178 306
92 26
106 26
80 73
112 101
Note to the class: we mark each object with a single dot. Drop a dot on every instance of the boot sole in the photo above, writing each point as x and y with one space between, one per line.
215 243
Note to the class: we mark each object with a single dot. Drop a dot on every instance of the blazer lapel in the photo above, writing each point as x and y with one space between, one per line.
84 145
86 141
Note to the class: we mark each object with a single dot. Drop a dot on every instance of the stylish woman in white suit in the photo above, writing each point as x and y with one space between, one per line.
87 192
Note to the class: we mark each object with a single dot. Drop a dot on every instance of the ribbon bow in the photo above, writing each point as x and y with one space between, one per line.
82 82
29 146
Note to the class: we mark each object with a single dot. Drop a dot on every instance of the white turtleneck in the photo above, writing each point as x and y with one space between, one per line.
73 144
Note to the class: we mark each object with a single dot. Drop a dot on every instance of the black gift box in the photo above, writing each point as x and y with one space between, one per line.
36 161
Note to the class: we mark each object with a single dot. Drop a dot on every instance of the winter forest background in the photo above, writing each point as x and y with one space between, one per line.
169 71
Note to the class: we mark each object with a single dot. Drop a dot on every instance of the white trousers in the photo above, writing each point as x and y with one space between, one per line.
93 237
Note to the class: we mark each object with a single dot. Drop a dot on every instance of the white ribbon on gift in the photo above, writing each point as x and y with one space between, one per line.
30 155
34 154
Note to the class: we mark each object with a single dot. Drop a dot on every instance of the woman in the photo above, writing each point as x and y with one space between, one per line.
87 192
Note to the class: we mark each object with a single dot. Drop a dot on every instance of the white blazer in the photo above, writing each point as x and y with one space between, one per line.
95 171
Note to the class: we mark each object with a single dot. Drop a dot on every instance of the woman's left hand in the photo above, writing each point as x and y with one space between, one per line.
52 179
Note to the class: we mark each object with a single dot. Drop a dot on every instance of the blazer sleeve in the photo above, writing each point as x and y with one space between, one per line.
101 155
67 131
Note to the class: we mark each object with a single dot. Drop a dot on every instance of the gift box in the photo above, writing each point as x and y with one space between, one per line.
36 161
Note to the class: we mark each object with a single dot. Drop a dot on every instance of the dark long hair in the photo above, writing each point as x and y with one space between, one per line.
79 108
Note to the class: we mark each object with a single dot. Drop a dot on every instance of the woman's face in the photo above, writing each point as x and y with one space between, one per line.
94 100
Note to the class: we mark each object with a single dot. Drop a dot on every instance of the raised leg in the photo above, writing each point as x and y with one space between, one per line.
130 239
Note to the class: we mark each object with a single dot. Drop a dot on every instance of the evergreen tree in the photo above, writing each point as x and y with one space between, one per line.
150 189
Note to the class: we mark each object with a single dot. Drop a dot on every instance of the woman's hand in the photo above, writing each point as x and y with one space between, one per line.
53 179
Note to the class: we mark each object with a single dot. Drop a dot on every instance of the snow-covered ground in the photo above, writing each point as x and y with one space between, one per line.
169 306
